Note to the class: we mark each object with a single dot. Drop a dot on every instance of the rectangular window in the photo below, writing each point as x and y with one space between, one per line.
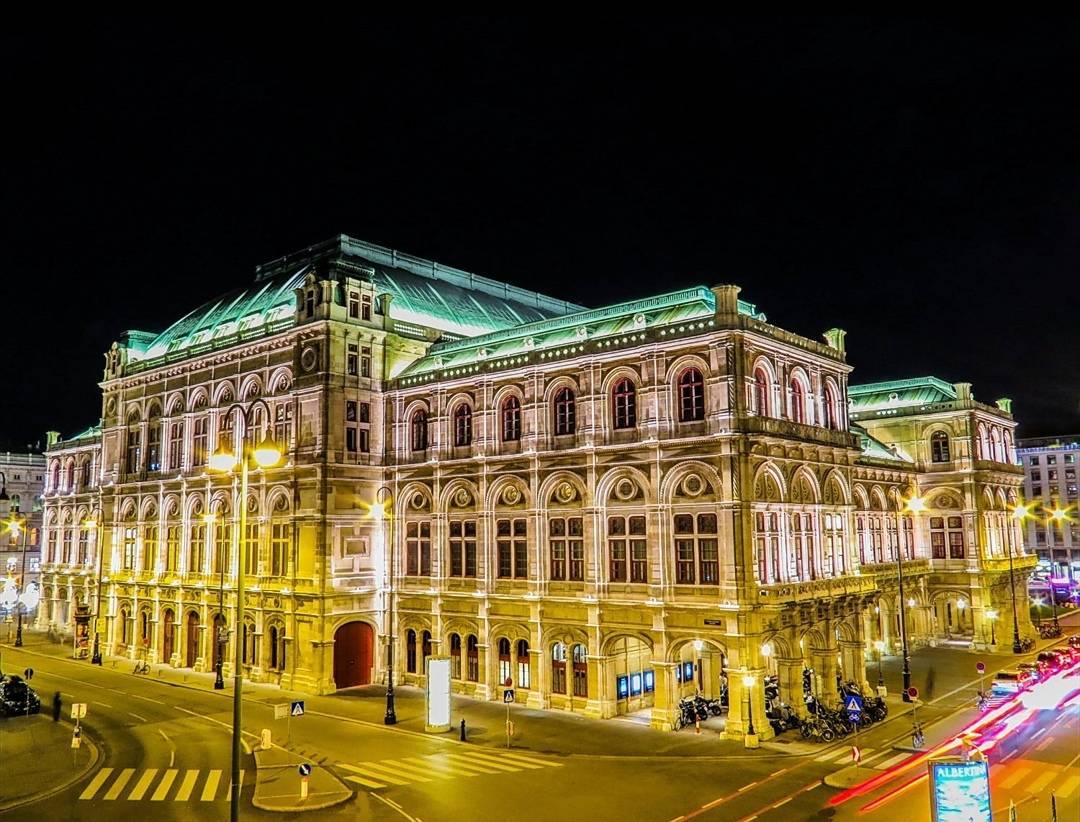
172 548
557 542
198 441
350 439
134 450
365 441
153 446
350 411
463 548
66 556
512 548
684 549
354 305
84 540
1051 459
365 308
365 361
150 549
283 426
697 554
280 540
567 548
365 412
251 550
352 366
196 549
418 549
130 538
617 549
176 446
222 544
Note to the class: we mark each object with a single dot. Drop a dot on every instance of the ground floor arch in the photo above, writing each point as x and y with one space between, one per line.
191 657
354 646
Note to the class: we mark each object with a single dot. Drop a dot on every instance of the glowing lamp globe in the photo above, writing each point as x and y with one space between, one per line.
267 453
223 461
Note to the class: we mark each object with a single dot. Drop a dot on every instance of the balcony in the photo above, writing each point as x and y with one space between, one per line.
912 567
816 589
1001 467
797 430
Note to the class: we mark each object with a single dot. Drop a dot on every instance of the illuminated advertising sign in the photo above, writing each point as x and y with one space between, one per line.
635 685
622 686
650 682
438 694
959 791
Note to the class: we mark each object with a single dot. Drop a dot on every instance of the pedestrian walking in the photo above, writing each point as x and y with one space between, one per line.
57 704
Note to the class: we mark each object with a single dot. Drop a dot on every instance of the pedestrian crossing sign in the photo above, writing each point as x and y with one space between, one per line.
854 704
297 708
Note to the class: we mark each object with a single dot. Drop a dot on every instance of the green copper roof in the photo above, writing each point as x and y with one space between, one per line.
875 448
425 294
90 433
571 330
900 393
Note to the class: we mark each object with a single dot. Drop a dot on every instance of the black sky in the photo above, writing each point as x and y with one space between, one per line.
915 183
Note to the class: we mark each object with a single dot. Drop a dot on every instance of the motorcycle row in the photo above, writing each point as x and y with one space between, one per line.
823 724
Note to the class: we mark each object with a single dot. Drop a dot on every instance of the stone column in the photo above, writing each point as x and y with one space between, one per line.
854 663
665 702
825 672
594 705
738 720
790 679
537 696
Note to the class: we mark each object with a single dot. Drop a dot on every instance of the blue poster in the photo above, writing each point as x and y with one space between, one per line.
960 791
621 685
688 671
635 684
650 682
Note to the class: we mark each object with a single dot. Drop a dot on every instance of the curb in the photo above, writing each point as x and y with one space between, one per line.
343 794
95 761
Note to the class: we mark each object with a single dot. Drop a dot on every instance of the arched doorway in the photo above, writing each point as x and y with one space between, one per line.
353 646
167 630
192 639
219 636
630 673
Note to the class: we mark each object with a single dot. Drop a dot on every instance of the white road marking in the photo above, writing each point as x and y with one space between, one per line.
367 783
104 705
142 785
1046 743
1041 782
395 806
1067 787
163 786
96 783
746 787
1038 733
393 780
140 718
892 760
210 786
186 786
119 784
1015 777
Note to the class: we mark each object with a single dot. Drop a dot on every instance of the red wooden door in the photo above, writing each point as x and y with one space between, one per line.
354 643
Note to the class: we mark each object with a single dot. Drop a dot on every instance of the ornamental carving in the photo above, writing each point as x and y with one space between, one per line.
281 503
417 502
833 495
565 493
462 498
309 357
801 490
693 485
625 490
511 495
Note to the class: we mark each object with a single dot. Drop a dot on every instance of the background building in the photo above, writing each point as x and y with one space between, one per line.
25 475
611 508
1050 479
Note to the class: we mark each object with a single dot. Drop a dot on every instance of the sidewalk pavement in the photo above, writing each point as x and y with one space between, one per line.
278 783
38 760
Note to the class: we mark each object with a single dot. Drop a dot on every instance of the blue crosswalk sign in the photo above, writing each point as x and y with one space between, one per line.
297 708
853 704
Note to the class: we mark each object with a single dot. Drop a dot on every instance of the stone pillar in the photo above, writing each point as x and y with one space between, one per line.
825 673
738 720
854 663
487 675
594 707
665 703
790 679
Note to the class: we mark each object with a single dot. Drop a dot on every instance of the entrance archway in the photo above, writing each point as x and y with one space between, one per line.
167 629
353 654
192 639
629 662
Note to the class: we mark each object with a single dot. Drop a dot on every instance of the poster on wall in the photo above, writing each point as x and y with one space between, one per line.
82 632
959 791
438 694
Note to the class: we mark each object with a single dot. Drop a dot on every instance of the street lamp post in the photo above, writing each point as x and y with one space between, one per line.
221 634
15 526
992 615
914 505
751 736
266 455
91 524
384 509
879 644
1059 516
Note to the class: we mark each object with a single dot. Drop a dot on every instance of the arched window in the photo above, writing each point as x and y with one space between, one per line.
144 628
511 419
691 396
250 649
473 650
277 648
455 656
418 429
504 660
54 481
832 408
463 425
425 650
565 412
798 402
410 651
939 447
997 453
761 392
125 635
558 668
624 404
69 477
581 670
524 678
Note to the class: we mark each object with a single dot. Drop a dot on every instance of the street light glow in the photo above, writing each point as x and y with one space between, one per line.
748 681
991 614
223 461
915 505
267 453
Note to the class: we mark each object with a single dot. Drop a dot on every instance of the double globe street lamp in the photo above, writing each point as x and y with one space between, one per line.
265 454
91 525
383 510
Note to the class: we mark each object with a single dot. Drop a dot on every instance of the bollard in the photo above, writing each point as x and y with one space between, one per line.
463 730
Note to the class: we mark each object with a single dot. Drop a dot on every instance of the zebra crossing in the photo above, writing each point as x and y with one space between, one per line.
867 759
406 770
191 785
1034 778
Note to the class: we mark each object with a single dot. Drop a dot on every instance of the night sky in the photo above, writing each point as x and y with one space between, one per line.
916 184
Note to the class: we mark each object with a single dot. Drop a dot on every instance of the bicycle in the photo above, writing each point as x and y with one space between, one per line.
142 667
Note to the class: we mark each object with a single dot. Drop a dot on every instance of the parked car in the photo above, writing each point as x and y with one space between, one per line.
1010 681
16 697
1055 660
1033 669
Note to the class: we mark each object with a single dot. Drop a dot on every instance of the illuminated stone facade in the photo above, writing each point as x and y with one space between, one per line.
607 507
20 547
